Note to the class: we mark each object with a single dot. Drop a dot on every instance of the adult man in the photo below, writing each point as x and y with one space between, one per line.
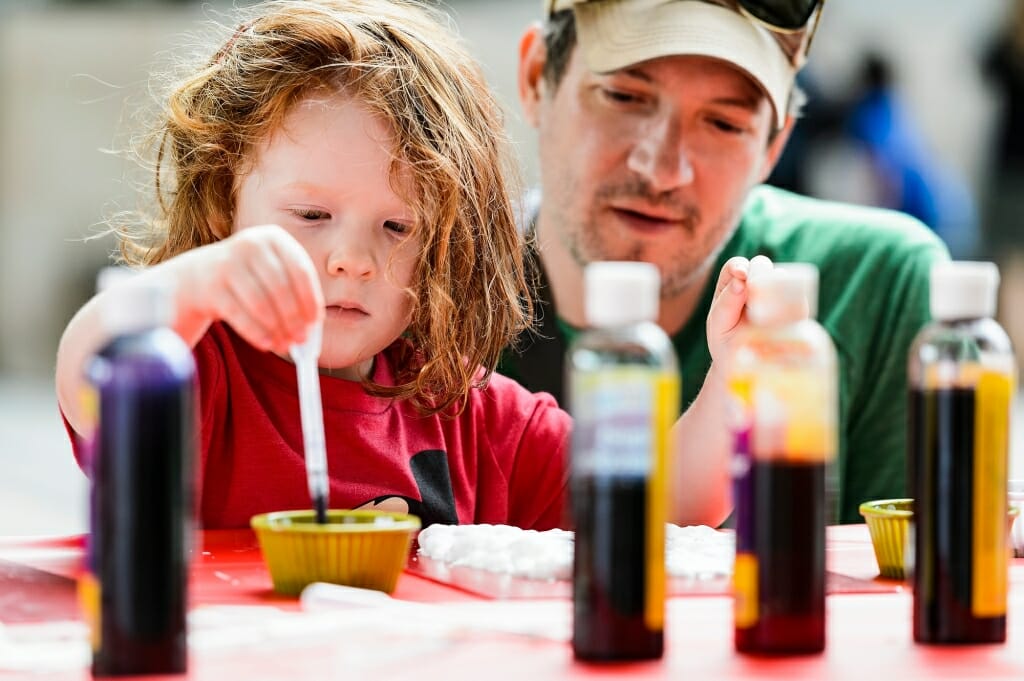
657 122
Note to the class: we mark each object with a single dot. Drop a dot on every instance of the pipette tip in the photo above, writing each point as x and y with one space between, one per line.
320 506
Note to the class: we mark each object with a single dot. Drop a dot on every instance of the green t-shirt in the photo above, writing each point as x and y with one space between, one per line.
873 298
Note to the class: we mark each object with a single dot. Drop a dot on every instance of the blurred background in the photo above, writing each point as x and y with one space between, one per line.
914 104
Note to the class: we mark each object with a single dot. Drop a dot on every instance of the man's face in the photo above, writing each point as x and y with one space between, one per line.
652 162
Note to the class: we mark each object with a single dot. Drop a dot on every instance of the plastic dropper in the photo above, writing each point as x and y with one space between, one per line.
306 356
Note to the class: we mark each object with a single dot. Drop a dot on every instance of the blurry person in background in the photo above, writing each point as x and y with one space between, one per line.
1003 65
821 122
906 175
658 121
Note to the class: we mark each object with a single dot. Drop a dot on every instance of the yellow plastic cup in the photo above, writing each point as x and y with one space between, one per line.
360 548
888 522
1015 493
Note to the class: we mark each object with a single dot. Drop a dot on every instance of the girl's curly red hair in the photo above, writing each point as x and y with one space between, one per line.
399 61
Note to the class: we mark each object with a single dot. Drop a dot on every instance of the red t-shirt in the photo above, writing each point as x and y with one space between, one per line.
504 459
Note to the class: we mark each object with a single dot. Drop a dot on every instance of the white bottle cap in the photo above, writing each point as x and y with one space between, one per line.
809 274
138 305
964 290
618 293
778 296
111 275
759 264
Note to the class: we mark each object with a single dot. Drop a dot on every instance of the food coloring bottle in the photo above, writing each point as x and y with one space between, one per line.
134 590
624 396
961 376
782 377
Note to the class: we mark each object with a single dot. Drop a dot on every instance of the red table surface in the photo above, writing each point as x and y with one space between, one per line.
869 635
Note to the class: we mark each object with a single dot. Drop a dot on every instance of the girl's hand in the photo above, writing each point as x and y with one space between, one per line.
727 315
261 281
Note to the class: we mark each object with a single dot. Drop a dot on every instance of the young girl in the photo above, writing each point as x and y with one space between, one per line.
343 161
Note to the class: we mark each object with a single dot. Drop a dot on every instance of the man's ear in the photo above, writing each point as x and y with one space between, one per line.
532 57
775 148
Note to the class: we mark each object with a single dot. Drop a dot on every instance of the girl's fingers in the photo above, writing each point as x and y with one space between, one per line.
730 296
262 296
735 267
272 273
257 282
306 297
239 305
731 289
273 282
727 309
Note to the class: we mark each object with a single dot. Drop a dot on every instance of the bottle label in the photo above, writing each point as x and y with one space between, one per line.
89 403
786 413
89 603
89 594
622 417
666 402
990 551
744 580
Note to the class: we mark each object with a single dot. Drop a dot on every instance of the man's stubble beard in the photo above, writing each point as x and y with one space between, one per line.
586 242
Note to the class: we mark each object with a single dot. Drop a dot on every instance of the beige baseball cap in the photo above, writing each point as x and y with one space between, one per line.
614 34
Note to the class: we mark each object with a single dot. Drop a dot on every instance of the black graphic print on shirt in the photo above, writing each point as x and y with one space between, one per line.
437 501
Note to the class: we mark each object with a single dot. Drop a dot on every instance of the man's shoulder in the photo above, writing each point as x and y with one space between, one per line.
871 261
809 229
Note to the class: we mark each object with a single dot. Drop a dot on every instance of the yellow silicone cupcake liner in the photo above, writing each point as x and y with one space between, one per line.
365 549
888 522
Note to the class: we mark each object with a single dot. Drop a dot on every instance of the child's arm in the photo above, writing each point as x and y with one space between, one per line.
259 280
701 493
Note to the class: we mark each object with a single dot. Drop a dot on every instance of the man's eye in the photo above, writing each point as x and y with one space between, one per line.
620 97
725 126
311 214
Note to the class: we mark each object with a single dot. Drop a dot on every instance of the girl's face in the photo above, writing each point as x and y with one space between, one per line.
324 178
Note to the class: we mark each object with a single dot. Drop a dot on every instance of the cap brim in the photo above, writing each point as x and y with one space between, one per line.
614 34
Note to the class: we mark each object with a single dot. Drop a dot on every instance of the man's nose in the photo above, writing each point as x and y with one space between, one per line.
660 155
